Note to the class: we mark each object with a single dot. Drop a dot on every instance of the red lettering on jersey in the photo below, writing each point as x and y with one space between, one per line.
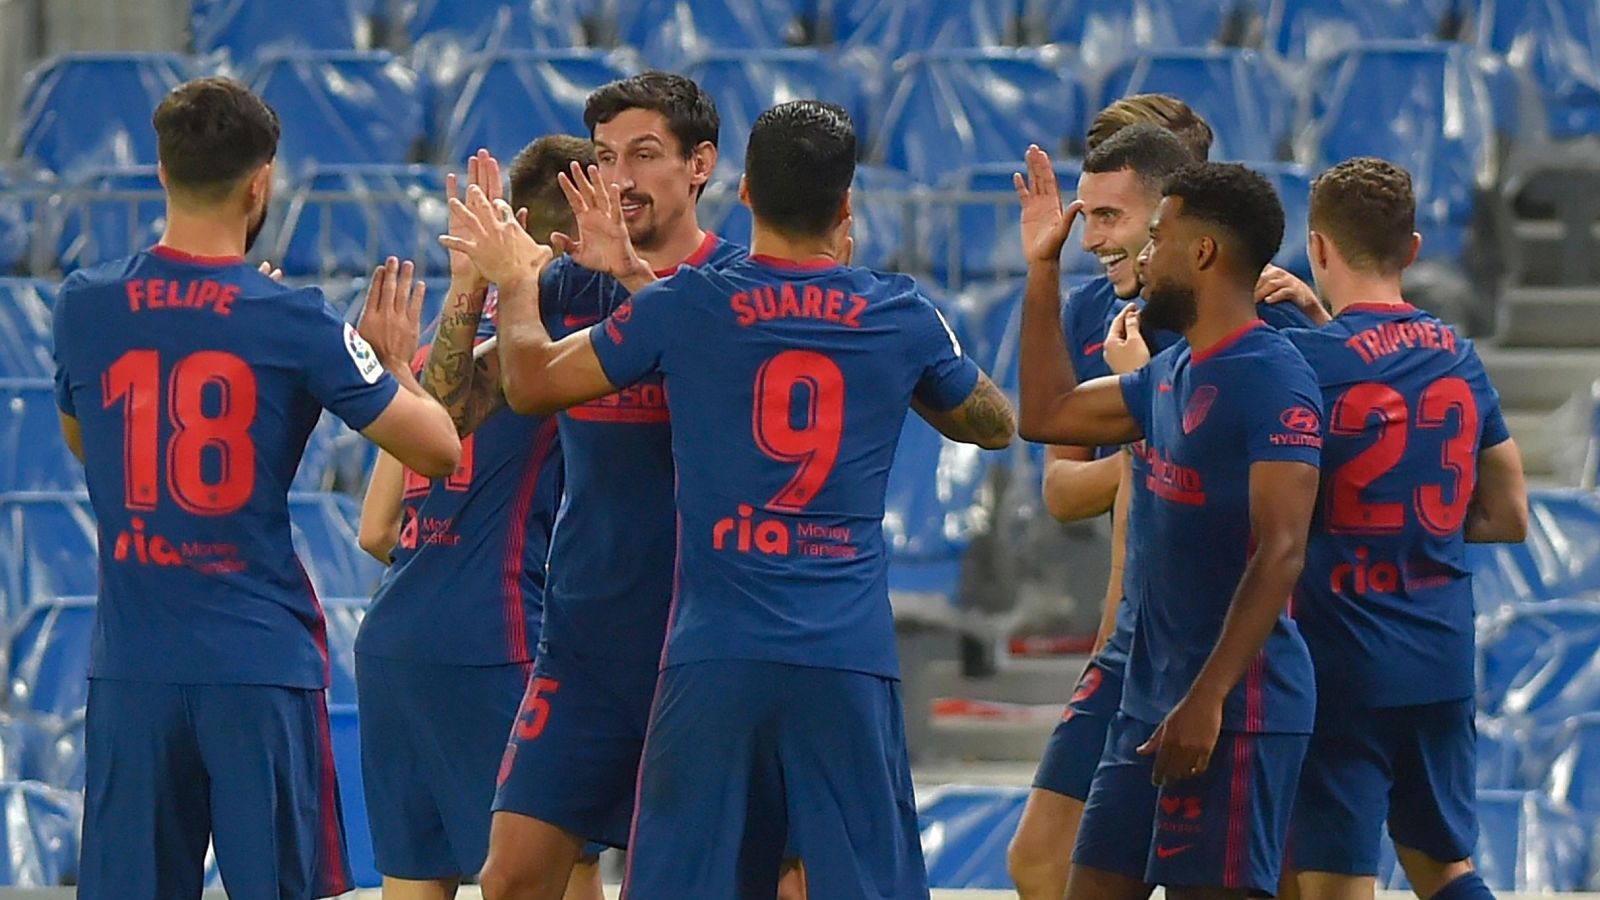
811 305
858 305
1387 338
224 305
835 299
766 303
744 315
790 306
209 292
155 293
135 295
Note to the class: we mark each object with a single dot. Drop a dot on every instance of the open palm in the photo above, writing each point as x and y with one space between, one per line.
1045 224
602 243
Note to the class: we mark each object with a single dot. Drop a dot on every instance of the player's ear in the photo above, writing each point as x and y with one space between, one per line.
1320 250
1416 248
702 162
161 174
846 209
744 190
1204 252
261 184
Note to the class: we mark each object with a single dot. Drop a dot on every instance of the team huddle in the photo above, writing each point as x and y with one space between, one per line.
631 498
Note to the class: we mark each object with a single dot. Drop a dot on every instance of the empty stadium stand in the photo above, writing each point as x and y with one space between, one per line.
342 106
93 109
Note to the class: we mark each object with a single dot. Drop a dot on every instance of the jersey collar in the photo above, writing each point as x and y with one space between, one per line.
699 257
815 264
175 255
1382 309
1199 356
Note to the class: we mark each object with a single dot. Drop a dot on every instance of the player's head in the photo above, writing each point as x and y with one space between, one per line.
1120 187
534 186
655 134
1363 219
216 141
1153 109
1216 228
798 166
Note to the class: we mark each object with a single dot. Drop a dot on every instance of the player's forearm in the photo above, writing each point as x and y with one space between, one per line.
1119 550
526 350
1505 522
637 278
1076 489
381 509
451 374
1263 592
1044 372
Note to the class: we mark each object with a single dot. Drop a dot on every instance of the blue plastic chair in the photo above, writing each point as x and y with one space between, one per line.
893 28
109 214
47 548
965 831
745 83
669 33
547 89
1302 30
1107 30
48 657
33 453
1556 43
1293 183
244 29
974 228
343 615
881 200
1540 662
25 323
41 834
341 219
346 732
324 532
87 110
342 107
1235 91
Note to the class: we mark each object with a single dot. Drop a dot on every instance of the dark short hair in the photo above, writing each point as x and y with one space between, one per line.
1152 152
690 112
533 172
1154 109
799 164
211 132
1239 201
1367 208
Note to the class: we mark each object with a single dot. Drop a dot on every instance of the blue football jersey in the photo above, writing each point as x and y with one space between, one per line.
196 383
1206 418
1385 601
610 581
788 386
466 585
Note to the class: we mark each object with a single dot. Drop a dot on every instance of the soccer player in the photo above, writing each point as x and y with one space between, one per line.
1418 461
573 759
188 383
448 644
777 719
1194 788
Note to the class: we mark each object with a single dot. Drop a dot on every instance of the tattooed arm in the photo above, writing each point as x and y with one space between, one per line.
984 418
469 388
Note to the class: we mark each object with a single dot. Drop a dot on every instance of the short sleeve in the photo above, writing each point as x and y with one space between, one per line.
948 376
1283 420
340 368
631 341
1491 421
1136 394
63 381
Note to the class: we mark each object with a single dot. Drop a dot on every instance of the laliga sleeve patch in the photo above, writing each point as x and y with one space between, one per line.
361 354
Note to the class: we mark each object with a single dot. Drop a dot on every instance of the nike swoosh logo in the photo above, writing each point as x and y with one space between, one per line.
1164 388
1169 852
572 321
1092 349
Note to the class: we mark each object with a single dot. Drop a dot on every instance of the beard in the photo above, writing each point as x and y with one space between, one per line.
1168 307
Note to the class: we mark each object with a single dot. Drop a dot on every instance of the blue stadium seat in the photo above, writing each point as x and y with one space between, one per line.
1540 662
57 756
322 464
22 736
22 197
547 89
1437 122
1301 30
1106 30
745 83
33 454
960 108
93 109
324 531
1573 776
932 511
1500 757
1528 844
1557 43
41 831
965 830
1294 189
106 214
346 219
344 615
445 35
1245 102
893 28
342 107
880 200
1559 559
25 323
243 29
47 549
973 229
48 657
671 32
346 732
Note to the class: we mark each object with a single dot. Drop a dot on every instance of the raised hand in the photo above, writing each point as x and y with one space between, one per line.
271 271
1045 224
488 233
1125 348
1282 286
602 243
391 320
483 170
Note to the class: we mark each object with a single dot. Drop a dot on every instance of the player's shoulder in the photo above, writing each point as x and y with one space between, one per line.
1267 346
100 275
1096 294
725 253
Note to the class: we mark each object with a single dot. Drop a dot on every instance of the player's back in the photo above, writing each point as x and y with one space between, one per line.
196 383
1386 598
788 386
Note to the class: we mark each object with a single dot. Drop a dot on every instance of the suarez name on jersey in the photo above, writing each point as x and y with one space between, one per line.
789 387
615 537
1386 582
1207 417
196 383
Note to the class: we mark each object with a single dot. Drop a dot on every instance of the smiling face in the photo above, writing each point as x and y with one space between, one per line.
1166 268
660 182
1116 210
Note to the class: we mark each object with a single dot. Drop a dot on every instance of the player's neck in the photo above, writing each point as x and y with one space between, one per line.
203 235
1219 321
1367 290
677 248
769 243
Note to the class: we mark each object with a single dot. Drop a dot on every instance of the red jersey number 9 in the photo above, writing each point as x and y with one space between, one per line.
134 382
811 384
